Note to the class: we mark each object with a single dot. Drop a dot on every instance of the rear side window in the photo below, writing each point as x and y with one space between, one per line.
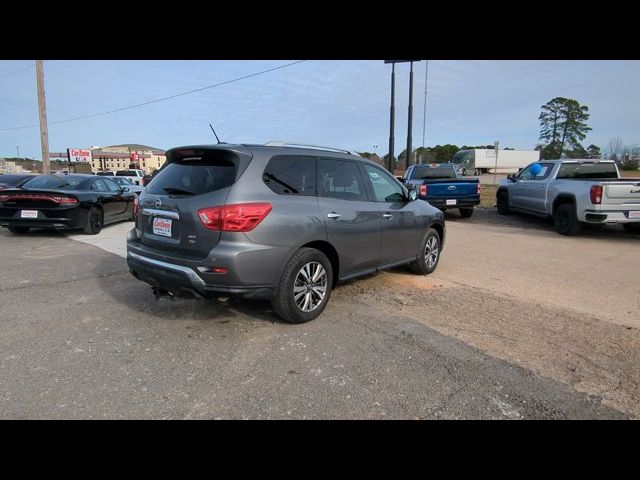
340 179
194 176
587 170
291 175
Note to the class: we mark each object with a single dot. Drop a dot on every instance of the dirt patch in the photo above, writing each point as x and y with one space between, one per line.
590 355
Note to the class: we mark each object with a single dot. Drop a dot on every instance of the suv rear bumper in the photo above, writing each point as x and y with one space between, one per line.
190 278
183 281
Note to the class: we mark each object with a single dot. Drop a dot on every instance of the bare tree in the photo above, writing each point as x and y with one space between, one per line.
616 148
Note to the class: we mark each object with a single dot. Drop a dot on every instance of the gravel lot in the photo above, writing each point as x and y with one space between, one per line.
496 333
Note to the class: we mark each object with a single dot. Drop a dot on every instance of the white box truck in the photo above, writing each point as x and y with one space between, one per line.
480 160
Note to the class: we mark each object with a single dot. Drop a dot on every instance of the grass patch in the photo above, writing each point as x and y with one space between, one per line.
488 195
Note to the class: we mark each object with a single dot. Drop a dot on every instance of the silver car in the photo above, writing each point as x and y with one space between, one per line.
276 222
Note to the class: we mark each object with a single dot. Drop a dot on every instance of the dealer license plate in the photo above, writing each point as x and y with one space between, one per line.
162 226
451 202
29 214
634 214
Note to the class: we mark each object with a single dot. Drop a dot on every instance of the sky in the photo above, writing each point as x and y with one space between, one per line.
337 103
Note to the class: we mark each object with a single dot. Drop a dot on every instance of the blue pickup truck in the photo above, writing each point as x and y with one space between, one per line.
440 185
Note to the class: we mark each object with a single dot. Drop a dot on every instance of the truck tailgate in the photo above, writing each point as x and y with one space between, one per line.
452 189
621 193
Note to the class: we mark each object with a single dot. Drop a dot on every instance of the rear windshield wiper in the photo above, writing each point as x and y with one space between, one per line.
177 191
285 185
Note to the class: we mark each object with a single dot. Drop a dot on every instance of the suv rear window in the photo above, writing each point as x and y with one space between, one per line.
194 176
126 173
291 175
587 170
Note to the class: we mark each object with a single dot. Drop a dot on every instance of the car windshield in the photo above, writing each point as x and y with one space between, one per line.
425 171
57 182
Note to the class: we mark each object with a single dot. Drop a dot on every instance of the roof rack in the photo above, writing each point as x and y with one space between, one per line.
305 145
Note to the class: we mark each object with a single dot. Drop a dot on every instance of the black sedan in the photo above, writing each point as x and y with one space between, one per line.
9 180
65 202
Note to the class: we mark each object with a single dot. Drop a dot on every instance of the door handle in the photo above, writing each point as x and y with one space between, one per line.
334 215
387 216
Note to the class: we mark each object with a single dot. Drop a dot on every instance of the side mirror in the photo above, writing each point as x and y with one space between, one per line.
413 195
512 177
125 189
400 179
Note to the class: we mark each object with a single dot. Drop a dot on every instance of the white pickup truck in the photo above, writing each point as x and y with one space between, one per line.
134 175
573 193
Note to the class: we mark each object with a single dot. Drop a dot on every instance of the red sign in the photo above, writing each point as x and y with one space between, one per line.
134 157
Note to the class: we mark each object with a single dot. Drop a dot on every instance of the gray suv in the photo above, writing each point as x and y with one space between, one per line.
276 222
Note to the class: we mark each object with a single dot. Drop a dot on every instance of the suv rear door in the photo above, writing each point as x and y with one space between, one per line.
353 222
193 178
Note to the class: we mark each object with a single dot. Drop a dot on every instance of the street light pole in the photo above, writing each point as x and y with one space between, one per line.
408 155
18 149
391 120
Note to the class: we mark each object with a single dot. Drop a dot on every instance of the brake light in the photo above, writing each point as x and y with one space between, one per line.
478 189
424 189
240 217
135 206
596 194
60 200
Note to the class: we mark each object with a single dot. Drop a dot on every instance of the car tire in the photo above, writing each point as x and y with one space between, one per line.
95 221
298 297
464 172
466 212
631 227
565 220
429 255
502 203
18 230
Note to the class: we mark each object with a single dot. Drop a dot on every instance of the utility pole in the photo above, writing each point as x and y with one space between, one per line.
42 106
18 149
424 114
409 149
391 120
496 145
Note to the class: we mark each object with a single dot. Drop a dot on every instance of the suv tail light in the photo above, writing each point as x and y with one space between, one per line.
135 206
424 190
240 217
596 194
478 189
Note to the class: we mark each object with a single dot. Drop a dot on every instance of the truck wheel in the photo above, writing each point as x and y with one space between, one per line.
502 202
466 212
18 230
463 171
305 287
565 220
429 254
478 172
631 227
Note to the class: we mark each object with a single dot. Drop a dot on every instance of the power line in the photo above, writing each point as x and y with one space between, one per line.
19 70
159 99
